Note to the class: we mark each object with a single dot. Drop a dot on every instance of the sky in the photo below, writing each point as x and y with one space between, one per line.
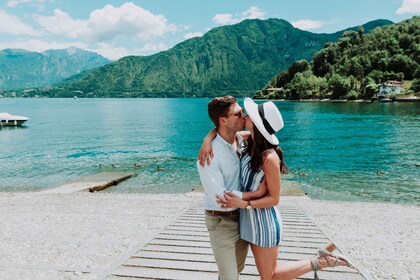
116 29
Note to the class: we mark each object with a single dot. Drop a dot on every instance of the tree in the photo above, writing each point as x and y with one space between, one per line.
320 64
339 85
360 32
298 66
297 86
415 86
369 88
353 95
404 64
355 68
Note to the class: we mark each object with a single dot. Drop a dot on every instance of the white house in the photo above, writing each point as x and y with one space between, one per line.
389 87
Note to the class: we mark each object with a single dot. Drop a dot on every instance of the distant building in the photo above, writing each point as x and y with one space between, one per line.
389 87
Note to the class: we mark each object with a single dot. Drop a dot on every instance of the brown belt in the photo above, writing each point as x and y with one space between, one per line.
223 213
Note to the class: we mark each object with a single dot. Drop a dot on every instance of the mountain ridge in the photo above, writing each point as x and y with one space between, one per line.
234 59
21 68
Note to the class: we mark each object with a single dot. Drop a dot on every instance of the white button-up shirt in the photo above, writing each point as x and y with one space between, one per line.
223 173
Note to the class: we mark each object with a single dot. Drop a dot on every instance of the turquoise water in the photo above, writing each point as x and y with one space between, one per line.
333 150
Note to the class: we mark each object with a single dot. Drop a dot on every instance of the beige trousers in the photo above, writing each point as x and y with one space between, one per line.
229 250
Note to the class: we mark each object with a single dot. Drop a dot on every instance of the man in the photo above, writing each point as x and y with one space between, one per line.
221 175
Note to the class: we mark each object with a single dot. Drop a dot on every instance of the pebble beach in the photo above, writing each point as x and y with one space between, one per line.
83 235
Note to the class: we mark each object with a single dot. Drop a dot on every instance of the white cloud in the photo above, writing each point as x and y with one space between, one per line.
10 24
151 48
409 7
128 20
252 13
192 35
109 23
307 24
114 52
14 3
60 23
110 51
223 19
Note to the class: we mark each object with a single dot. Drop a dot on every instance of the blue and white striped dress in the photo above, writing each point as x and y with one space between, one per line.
260 226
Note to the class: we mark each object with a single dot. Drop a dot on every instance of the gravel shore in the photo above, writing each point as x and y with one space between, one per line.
82 235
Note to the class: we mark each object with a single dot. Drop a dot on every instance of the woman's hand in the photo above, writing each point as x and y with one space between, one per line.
262 189
206 152
230 200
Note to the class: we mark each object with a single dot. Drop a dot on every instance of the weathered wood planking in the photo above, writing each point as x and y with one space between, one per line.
182 251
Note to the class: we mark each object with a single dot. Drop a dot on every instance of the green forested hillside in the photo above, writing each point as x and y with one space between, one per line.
236 59
354 66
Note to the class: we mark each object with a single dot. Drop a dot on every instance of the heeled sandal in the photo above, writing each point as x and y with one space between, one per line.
322 253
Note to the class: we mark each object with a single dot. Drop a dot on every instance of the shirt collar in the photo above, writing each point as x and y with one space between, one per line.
238 139
223 141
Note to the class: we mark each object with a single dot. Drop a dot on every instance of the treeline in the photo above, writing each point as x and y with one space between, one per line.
354 66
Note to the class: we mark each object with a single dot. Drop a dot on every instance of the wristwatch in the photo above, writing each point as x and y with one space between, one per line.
249 205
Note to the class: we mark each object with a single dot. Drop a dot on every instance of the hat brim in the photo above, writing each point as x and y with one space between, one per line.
252 110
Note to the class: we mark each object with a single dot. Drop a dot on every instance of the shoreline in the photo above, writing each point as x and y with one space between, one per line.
80 235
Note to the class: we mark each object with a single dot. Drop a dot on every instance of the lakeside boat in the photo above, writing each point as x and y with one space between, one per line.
7 119
386 100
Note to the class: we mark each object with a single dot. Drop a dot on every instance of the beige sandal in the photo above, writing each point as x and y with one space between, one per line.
322 253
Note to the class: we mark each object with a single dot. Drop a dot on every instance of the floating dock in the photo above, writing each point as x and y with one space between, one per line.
90 183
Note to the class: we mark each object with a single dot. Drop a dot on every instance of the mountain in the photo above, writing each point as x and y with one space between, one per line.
354 66
237 59
24 69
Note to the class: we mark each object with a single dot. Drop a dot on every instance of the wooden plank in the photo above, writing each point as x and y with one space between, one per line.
90 183
183 237
208 258
189 250
177 227
172 264
292 238
163 274
180 243
294 229
184 233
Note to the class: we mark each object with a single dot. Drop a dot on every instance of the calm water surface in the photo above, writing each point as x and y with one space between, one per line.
334 151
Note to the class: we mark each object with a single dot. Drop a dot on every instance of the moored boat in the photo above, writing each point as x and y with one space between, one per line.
386 100
7 119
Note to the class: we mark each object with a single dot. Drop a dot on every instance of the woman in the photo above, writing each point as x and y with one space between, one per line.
260 222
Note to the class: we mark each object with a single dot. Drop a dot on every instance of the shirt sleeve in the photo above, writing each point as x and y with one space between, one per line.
211 177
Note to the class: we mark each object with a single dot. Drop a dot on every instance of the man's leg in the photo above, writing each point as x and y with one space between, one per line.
224 233
241 253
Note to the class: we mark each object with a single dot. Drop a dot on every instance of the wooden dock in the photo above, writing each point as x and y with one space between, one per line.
90 183
182 251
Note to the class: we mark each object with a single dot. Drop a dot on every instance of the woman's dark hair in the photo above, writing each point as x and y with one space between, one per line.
256 148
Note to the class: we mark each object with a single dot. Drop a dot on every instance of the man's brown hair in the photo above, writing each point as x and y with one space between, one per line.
219 107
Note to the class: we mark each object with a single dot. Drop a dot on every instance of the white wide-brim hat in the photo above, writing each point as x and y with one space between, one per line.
266 117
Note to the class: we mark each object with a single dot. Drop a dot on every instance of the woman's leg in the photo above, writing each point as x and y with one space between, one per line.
294 269
266 260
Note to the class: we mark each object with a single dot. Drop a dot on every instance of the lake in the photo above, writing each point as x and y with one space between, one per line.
340 151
